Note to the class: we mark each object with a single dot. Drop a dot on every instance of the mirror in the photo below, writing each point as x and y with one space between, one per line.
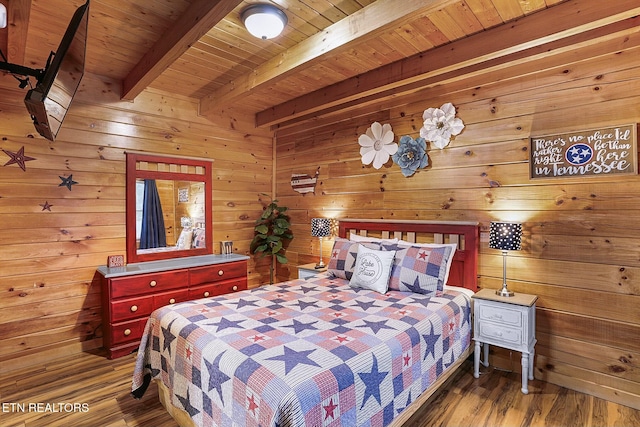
168 207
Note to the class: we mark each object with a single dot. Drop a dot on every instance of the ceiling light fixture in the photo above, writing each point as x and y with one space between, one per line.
264 21
3 16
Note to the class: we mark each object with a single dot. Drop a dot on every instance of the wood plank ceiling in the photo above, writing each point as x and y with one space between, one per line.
333 54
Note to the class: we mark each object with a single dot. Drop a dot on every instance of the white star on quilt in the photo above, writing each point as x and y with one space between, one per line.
372 381
216 376
292 358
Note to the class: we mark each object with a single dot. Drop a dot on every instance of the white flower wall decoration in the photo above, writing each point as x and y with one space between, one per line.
440 124
376 145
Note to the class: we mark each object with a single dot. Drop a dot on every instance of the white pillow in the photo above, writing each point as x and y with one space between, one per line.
372 269
453 247
358 238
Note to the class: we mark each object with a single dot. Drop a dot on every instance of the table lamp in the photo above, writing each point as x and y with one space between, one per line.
506 236
320 227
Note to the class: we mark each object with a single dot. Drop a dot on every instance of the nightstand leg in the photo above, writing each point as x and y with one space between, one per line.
476 360
531 362
485 360
525 372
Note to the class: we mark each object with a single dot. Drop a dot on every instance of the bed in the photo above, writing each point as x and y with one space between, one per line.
331 350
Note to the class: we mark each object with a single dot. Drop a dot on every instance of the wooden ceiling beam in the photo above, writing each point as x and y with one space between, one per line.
199 18
18 12
364 24
558 22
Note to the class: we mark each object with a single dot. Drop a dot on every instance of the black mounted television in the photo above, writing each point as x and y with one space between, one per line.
49 101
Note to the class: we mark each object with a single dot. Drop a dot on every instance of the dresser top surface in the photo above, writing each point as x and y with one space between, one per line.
166 265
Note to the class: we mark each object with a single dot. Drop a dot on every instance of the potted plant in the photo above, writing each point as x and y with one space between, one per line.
272 229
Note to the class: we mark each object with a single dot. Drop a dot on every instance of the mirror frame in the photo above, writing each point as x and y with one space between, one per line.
178 169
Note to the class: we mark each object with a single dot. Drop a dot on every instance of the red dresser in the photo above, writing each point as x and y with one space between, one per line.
131 293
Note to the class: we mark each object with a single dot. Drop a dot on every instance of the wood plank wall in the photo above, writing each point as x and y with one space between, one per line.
581 236
49 304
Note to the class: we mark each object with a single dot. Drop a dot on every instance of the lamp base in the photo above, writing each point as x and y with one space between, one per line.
504 292
320 265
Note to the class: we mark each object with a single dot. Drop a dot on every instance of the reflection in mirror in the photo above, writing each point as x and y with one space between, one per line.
168 207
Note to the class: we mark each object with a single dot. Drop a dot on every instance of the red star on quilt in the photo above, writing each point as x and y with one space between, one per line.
18 158
252 404
422 255
329 409
406 359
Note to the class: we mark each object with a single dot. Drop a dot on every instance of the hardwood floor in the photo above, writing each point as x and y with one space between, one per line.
90 390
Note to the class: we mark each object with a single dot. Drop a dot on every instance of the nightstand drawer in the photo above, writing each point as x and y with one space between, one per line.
501 314
495 333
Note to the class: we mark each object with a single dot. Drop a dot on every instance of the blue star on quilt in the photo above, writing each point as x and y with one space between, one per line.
372 381
224 323
304 304
298 326
168 337
216 376
431 339
306 289
186 403
375 326
244 303
406 405
365 305
292 358
415 287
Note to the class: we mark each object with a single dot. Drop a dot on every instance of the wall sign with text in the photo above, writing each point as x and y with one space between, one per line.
595 152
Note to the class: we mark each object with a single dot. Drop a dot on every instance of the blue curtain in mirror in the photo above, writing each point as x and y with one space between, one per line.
153 234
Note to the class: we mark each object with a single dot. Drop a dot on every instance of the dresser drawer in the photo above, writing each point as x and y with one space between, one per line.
172 297
127 331
131 308
219 288
147 283
501 314
217 272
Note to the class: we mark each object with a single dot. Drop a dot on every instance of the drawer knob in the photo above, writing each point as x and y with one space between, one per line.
220 272
134 308
497 316
206 294
172 301
153 283
127 332
235 287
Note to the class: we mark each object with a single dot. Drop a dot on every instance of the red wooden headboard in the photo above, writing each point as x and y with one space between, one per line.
464 269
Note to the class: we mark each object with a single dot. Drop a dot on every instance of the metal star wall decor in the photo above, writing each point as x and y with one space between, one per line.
46 206
18 158
67 181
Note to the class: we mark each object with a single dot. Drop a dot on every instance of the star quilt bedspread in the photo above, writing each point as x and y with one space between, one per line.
309 353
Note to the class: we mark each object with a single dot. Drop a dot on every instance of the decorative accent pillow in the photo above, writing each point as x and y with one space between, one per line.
343 257
420 269
184 241
372 269
453 247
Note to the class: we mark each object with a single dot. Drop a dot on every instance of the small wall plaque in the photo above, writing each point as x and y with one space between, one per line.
115 261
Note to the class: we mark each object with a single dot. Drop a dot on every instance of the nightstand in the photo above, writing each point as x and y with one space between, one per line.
309 270
508 322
